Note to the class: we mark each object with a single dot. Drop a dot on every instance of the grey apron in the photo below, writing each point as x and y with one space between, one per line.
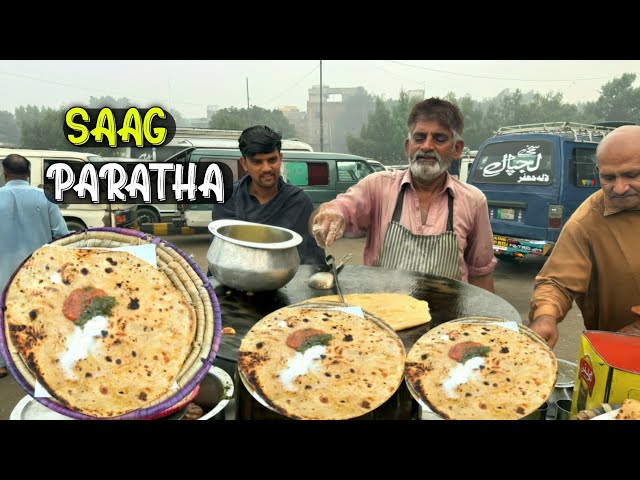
431 254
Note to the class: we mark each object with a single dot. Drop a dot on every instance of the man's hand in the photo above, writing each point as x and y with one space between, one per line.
547 327
328 226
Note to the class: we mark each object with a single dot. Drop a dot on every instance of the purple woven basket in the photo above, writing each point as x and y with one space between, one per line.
193 284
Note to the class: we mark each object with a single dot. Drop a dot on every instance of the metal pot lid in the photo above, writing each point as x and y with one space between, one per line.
566 374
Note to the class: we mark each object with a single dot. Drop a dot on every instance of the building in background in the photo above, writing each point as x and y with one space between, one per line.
296 118
212 110
344 110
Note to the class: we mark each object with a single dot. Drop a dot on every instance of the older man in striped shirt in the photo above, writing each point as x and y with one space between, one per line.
419 219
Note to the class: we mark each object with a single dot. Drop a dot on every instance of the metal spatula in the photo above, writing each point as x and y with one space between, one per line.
326 280
332 263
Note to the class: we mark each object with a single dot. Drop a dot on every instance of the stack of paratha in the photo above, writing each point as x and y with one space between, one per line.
630 410
481 371
398 310
103 331
321 364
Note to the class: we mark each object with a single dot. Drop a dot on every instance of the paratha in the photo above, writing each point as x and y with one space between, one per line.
98 360
321 364
630 410
398 310
481 371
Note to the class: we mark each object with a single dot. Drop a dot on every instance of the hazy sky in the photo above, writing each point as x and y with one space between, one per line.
190 85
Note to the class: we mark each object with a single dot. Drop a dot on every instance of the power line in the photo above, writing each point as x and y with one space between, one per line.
93 90
292 86
497 78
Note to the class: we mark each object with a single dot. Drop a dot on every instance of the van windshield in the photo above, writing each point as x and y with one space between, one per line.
527 163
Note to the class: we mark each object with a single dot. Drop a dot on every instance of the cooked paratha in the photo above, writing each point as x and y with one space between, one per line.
97 359
398 310
480 371
630 410
321 364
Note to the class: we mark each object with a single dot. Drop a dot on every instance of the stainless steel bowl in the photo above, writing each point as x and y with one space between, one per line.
252 257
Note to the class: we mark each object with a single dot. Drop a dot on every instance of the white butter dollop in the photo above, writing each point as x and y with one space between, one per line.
300 364
81 342
462 373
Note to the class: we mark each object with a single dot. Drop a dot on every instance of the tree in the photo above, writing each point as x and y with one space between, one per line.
42 128
8 128
399 115
239 119
618 100
108 101
550 108
377 137
475 131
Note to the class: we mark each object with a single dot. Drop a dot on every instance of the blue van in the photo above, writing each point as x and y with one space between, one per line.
534 177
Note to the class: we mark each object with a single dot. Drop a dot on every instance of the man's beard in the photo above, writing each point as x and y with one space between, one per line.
425 171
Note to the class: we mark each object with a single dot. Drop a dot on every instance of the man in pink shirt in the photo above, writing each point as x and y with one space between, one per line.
419 219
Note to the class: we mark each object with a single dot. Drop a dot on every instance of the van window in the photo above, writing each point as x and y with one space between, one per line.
526 163
352 171
584 168
304 174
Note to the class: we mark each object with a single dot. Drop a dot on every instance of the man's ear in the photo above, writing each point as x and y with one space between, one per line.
457 149
243 163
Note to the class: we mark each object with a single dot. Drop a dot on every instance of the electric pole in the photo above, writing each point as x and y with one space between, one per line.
248 113
321 136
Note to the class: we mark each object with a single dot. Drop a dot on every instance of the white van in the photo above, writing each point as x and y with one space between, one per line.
147 212
78 217
466 161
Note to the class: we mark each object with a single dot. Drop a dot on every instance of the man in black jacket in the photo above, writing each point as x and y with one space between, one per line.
264 197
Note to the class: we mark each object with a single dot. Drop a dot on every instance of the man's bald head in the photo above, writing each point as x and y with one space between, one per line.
16 166
619 167
625 137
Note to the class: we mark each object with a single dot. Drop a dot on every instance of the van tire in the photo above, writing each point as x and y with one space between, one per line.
75 225
147 215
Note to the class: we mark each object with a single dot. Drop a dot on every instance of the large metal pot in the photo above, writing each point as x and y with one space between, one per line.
251 256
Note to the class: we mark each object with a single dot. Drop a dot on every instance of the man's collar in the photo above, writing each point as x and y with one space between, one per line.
448 183
17 181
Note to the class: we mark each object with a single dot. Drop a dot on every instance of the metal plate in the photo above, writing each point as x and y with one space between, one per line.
28 408
215 391
322 306
428 413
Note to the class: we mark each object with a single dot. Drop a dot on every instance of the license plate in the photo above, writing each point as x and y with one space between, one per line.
506 214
